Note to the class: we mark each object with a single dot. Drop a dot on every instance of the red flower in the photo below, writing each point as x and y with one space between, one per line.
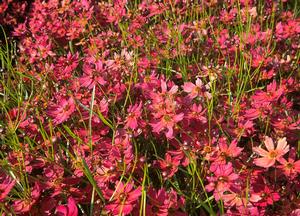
69 210
225 151
169 166
92 74
163 203
122 200
235 197
24 205
6 184
272 94
65 66
134 113
197 112
262 195
222 179
62 111
290 167
269 157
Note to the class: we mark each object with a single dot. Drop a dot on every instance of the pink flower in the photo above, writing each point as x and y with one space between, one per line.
134 113
65 66
122 199
25 205
222 179
6 184
262 195
168 121
235 197
62 111
272 94
198 113
163 203
226 151
165 94
196 90
269 157
169 166
92 74
290 167
69 210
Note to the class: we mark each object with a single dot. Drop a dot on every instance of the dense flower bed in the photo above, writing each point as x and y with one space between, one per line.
149 107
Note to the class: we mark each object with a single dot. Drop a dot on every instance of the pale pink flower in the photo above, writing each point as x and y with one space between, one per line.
269 157
196 90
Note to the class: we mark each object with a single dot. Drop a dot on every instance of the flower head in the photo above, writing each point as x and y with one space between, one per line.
62 111
6 184
198 89
272 155
69 210
123 198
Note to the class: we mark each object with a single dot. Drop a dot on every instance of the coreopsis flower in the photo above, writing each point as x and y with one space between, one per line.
198 89
227 151
258 110
271 95
123 199
106 172
164 94
67 210
157 202
92 74
6 185
290 167
285 123
62 111
245 128
65 66
134 113
163 203
167 121
235 196
223 177
263 195
169 166
21 206
198 113
272 155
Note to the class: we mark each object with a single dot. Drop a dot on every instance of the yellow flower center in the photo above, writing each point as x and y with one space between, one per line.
167 118
273 154
289 166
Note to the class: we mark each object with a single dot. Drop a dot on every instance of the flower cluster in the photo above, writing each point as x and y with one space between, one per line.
149 107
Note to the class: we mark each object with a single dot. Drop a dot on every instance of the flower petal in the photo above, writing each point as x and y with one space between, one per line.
264 162
269 143
260 151
282 145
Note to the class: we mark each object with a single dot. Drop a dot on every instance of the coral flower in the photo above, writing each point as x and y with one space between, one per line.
269 157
